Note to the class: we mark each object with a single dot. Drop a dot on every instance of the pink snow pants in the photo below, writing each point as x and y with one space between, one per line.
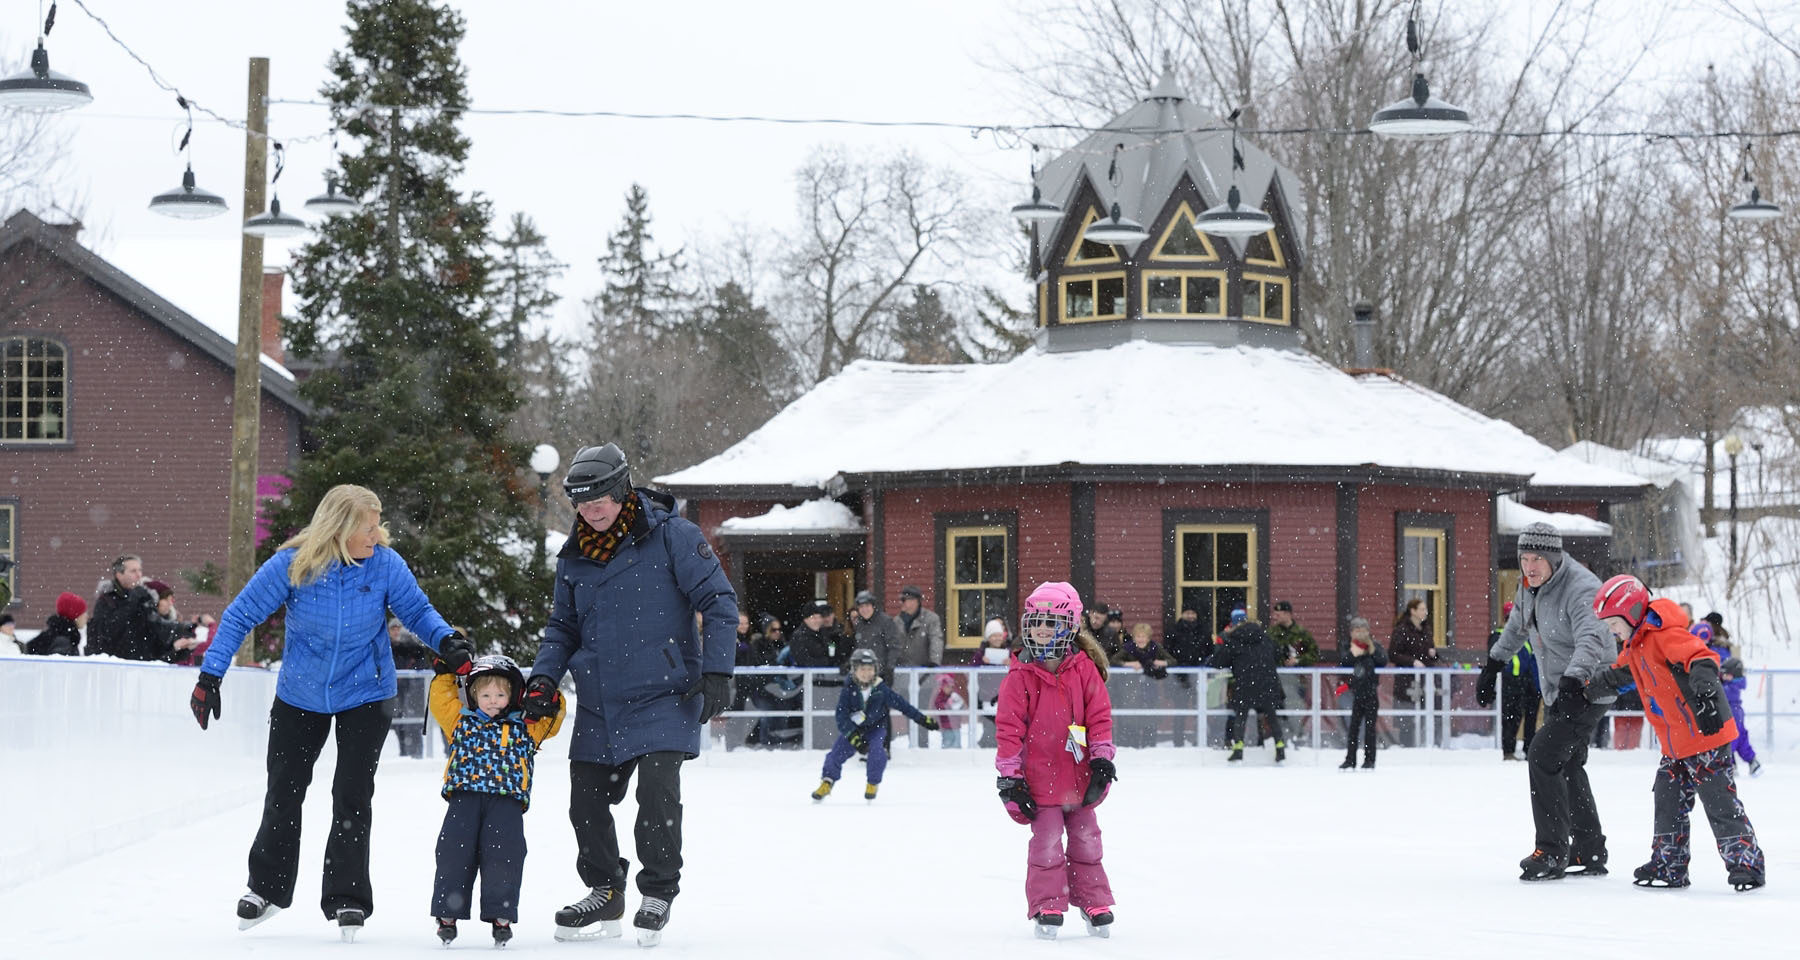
1052 880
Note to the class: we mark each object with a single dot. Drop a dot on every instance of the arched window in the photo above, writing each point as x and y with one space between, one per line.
34 390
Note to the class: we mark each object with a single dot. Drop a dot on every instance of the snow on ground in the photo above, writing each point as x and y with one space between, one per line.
1415 859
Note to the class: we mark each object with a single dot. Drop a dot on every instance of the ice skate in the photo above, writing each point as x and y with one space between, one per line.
1046 925
1542 866
446 929
1369 760
1756 768
502 932
870 790
593 917
1237 752
252 910
1099 922
824 791
1349 762
1587 864
1744 879
652 915
1280 751
350 923
1658 875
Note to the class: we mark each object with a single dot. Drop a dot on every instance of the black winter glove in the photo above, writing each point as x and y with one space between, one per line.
1017 797
457 653
205 699
1103 773
930 723
1707 715
1571 697
859 741
714 689
540 699
1484 687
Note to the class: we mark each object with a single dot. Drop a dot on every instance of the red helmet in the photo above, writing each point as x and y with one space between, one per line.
1623 596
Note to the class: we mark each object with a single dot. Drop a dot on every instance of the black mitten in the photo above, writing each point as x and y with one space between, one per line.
1484 687
1707 715
457 652
540 698
205 699
1571 697
1103 773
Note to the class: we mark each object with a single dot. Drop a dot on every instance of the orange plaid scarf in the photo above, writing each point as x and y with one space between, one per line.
601 545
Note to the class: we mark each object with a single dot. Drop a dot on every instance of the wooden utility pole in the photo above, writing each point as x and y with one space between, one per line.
246 400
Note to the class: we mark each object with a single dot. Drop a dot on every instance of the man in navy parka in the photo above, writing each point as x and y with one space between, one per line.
629 582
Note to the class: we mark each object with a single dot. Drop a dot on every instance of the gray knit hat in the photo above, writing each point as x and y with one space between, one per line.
1542 539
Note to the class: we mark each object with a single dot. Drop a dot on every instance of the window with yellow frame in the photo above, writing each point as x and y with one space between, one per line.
1099 296
1184 293
1215 570
1266 298
1043 303
1265 249
976 573
1084 251
1422 574
1182 240
34 390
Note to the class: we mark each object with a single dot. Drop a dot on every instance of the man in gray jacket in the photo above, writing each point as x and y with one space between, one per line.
875 630
1555 612
924 631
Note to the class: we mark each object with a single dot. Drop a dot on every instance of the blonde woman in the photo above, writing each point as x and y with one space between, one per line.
338 579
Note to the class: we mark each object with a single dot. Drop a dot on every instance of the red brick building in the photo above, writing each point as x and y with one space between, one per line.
1168 442
115 422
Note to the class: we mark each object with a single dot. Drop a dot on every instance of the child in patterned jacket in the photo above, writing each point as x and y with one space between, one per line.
487 783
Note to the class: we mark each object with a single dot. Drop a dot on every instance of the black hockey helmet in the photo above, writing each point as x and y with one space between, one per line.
495 663
598 472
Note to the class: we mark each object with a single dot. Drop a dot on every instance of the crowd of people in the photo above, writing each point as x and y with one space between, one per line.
131 617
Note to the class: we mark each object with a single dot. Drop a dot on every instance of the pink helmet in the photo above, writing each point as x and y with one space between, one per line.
1623 596
1055 605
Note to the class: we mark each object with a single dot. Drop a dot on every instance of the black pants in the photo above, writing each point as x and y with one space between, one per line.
1562 804
1708 777
295 738
593 790
1364 712
482 832
1269 720
1519 702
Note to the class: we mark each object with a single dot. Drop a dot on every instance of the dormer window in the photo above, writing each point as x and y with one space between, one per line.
1087 251
1181 240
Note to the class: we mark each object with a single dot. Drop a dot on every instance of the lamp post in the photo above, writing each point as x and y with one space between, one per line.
543 462
1734 445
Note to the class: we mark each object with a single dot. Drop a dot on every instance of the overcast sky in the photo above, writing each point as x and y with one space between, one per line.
901 59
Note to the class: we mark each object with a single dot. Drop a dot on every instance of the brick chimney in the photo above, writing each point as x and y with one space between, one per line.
272 280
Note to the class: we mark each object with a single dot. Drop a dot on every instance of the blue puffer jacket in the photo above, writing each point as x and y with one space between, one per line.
336 655
627 632
874 705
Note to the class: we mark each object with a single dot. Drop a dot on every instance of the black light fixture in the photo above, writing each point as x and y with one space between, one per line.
1232 218
1035 210
331 203
1116 229
274 223
1755 208
1419 116
188 202
41 88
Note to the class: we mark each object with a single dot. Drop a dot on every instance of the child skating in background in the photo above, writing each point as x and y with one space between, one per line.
1731 674
1363 656
862 722
1678 678
1054 728
487 783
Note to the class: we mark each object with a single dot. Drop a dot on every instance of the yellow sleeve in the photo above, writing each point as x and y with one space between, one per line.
543 728
446 708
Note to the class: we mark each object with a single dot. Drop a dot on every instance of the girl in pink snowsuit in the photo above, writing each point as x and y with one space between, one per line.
1054 726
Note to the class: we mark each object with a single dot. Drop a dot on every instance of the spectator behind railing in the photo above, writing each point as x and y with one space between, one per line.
1410 645
61 635
1188 645
1363 656
182 637
409 706
1140 660
8 635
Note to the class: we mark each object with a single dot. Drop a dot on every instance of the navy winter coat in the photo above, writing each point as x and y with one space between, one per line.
874 705
626 630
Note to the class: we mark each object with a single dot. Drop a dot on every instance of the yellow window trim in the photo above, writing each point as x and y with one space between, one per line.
11 531
1043 303
1074 258
952 600
52 348
1184 214
1063 296
1248 530
1440 611
1224 291
1287 300
1274 245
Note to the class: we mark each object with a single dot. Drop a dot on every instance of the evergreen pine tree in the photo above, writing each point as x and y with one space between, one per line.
522 274
643 292
409 399
925 332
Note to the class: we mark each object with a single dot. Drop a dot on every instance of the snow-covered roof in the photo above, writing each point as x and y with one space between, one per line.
1135 404
1512 517
813 516
1662 473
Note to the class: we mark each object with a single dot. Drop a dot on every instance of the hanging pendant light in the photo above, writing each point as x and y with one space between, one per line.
1419 116
1117 230
41 88
1755 208
1232 218
274 223
188 202
332 203
1036 211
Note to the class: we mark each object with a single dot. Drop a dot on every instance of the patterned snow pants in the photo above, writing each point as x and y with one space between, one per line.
1707 776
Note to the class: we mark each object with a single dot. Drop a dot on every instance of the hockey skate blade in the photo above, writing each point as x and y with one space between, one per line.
603 930
1044 932
348 934
268 912
649 938
1103 932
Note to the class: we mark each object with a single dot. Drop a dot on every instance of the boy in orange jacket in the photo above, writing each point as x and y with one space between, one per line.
1678 678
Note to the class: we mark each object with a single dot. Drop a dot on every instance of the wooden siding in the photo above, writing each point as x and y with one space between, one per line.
910 553
1470 572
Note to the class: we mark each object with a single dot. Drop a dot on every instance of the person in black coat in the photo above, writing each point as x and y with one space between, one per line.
811 644
1249 654
1363 656
61 635
1189 644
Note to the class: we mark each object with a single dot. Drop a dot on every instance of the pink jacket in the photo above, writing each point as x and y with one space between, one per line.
1035 711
